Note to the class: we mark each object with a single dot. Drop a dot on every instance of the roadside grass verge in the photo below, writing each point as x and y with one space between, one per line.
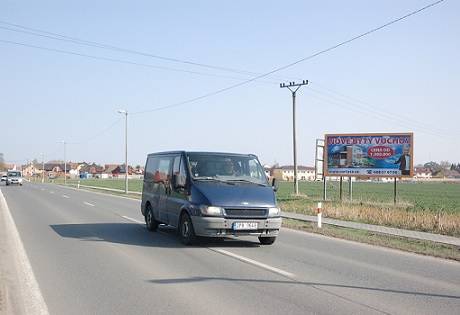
396 242
398 216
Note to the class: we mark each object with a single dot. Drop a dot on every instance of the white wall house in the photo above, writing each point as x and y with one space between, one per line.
286 173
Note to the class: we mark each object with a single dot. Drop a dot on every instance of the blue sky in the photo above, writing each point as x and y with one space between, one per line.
407 77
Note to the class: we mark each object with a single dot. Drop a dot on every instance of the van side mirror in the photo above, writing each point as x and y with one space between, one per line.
275 184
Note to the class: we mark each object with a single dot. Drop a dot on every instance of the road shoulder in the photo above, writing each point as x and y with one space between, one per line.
19 290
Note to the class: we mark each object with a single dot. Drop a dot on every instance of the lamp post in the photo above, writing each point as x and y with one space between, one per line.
43 168
125 112
65 161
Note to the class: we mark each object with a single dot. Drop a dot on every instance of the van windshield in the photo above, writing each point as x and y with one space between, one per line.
229 168
14 174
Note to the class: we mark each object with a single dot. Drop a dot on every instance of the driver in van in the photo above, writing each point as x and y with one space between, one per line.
228 168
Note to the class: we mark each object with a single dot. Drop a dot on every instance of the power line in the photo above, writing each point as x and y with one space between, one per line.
56 36
219 91
68 52
100 133
295 62
375 114
367 106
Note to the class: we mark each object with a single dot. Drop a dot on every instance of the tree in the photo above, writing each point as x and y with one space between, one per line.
445 165
2 162
433 166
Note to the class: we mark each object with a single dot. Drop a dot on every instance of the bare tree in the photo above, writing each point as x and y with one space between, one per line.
2 162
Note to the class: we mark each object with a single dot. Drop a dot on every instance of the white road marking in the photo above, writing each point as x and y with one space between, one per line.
33 301
133 220
43 189
254 262
65 196
88 204
230 254
51 192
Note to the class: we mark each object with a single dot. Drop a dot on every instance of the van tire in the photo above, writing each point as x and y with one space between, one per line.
186 231
150 222
267 240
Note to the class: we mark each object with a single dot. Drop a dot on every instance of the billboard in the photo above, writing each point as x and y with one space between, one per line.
370 154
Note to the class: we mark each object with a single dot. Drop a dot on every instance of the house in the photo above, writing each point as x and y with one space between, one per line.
268 171
31 170
111 170
286 173
451 174
55 169
138 170
422 173
87 170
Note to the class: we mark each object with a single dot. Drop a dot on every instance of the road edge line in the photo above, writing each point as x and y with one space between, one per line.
31 296
254 262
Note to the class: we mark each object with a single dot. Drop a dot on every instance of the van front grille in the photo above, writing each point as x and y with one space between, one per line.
246 213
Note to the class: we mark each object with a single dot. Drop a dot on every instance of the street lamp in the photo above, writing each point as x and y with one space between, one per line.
65 161
125 112
43 167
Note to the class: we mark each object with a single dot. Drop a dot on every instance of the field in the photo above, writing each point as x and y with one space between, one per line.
429 196
424 206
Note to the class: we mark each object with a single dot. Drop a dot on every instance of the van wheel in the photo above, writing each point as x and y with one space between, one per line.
267 240
186 231
150 222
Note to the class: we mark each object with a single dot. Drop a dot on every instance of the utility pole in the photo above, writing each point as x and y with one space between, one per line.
43 168
293 87
65 161
125 112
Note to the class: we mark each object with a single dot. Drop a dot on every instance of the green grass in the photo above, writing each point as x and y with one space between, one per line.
426 196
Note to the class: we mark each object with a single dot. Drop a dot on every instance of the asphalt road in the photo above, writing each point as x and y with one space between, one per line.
90 255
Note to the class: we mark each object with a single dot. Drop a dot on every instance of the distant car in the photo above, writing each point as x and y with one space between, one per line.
4 177
14 177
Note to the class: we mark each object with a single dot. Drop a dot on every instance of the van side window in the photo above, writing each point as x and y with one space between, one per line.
162 172
150 168
179 169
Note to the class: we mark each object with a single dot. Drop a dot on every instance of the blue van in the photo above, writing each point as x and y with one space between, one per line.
210 194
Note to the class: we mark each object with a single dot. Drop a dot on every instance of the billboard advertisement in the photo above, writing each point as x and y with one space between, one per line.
371 154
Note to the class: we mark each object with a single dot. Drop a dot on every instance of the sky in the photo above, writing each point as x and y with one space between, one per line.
403 78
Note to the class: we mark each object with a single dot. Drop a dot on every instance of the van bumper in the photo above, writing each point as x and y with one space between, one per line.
220 227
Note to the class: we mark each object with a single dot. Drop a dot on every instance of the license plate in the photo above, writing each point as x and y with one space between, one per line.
245 226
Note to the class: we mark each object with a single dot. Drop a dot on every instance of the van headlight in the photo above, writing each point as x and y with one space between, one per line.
274 212
211 210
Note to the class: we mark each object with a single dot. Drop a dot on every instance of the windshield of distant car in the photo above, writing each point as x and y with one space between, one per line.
14 174
229 168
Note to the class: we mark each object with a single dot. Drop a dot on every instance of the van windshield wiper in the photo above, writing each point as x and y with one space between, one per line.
206 178
246 181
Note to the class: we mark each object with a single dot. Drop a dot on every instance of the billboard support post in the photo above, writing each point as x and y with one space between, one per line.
395 191
324 188
340 187
319 164
350 188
